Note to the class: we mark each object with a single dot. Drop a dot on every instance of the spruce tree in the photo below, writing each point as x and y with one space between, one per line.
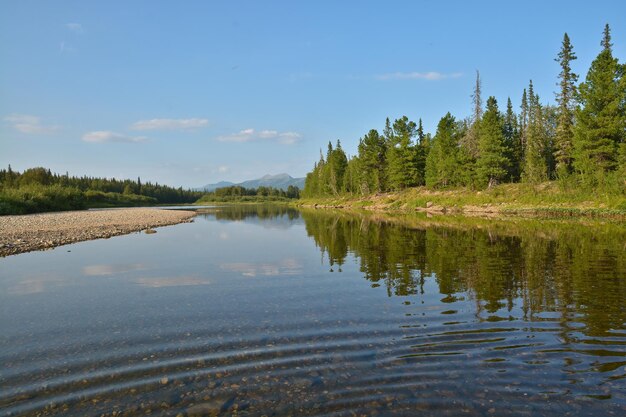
523 121
535 167
442 160
565 115
371 166
401 169
492 162
512 142
470 140
600 119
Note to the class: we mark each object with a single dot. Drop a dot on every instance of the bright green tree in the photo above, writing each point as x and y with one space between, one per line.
512 142
442 160
492 162
565 114
401 168
600 118
535 167
372 163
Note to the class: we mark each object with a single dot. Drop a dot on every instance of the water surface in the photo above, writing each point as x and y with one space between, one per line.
271 311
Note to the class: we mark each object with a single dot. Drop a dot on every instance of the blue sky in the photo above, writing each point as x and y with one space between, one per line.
188 93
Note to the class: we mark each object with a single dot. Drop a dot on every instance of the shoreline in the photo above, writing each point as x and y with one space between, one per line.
32 232
504 201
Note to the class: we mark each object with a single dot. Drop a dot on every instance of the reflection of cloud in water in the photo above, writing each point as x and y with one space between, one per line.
224 236
287 266
159 282
30 286
97 270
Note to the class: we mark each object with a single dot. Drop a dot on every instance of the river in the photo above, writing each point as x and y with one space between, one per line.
267 310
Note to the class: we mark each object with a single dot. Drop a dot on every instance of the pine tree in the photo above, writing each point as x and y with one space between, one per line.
401 168
523 121
470 140
492 162
421 152
442 160
371 165
565 116
512 142
535 167
600 119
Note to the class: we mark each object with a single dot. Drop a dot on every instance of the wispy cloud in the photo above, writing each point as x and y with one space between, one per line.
74 27
288 266
430 76
30 124
169 124
251 135
102 136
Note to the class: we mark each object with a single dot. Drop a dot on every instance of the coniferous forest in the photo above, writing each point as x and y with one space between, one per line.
38 189
580 141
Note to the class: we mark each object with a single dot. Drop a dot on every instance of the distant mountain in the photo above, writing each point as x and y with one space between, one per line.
281 181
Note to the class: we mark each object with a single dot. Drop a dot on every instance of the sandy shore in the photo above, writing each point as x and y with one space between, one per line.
27 233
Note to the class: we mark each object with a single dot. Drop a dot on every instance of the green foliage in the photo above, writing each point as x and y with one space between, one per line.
492 162
535 165
35 198
566 100
402 169
237 193
38 190
585 146
601 117
442 162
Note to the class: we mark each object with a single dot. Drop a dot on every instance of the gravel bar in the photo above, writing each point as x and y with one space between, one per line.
31 232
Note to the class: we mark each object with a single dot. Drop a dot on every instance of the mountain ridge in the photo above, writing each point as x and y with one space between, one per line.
281 181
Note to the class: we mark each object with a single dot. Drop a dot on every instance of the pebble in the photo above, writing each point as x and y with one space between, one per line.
31 232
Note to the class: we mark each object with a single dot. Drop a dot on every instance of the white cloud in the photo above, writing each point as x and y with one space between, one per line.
222 169
169 124
74 27
250 135
288 266
101 136
29 124
430 76
289 138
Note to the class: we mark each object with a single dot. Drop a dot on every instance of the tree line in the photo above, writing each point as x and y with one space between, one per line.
38 190
581 139
262 193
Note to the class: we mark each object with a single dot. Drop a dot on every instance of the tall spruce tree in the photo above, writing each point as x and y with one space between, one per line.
442 160
492 161
401 168
523 121
471 138
600 119
566 103
512 142
372 163
535 167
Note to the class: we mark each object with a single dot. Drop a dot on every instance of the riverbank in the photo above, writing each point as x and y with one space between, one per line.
543 200
25 233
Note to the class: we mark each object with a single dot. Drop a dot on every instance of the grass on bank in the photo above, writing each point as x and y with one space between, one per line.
552 198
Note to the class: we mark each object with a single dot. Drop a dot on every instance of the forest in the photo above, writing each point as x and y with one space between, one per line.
38 190
580 142
237 193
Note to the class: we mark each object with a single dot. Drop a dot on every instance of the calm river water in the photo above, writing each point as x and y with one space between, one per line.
270 311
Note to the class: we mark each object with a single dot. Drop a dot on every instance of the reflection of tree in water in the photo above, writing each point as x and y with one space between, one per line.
244 211
566 268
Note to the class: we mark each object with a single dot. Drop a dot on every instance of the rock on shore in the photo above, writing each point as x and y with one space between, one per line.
27 233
